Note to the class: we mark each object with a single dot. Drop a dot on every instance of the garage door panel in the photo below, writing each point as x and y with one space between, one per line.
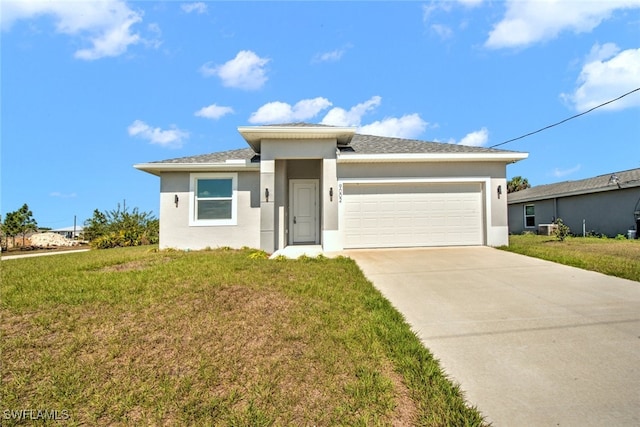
401 215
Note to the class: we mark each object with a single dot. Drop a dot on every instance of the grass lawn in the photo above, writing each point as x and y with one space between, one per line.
138 336
614 257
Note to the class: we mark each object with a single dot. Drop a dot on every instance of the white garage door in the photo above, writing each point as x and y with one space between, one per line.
404 215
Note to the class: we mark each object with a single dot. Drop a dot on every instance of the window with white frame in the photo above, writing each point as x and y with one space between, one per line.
214 199
529 216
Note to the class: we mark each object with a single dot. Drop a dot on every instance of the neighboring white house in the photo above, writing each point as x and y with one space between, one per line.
72 232
302 184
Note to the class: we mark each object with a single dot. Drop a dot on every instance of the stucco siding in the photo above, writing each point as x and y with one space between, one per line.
297 149
490 174
421 170
175 231
609 212
544 214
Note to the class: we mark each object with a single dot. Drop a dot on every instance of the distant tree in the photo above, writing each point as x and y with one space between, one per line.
3 237
27 222
11 226
517 183
96 226
19 222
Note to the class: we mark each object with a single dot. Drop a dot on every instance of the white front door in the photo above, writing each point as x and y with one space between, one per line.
303 211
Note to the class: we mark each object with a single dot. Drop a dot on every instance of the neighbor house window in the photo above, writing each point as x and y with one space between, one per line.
529 216
213 199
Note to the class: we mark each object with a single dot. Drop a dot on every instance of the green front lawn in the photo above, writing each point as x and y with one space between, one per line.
620 258
136 336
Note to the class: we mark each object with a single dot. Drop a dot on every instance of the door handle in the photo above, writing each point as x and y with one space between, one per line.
294 220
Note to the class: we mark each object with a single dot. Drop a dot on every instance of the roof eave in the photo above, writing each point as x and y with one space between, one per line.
158 168
255 134
510 157
566 194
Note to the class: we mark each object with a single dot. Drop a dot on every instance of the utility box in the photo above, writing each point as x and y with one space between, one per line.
547 229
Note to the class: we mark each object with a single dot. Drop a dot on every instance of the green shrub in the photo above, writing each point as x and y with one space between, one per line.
121 228
562 231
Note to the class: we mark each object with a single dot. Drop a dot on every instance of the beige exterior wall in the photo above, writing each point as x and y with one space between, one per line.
264 224
175 231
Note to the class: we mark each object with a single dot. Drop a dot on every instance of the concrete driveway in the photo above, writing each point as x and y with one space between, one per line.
531 342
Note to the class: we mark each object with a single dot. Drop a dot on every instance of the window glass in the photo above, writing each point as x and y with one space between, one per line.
215 188
213 200
529 216
214 209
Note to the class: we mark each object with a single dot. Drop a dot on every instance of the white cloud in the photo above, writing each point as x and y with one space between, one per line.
214 111
442 31
173 137
407 126
600 52
281 112
531 21
475 139
63 195
607 74
245 71
332 56
341 117
106 24
559 173
198 7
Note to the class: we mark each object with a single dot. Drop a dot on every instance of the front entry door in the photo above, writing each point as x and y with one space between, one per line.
303 211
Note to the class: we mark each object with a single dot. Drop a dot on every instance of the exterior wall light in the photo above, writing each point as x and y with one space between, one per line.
499 191
176 199
266 194
331 194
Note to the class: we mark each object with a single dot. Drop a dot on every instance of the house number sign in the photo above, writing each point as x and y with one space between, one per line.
340 193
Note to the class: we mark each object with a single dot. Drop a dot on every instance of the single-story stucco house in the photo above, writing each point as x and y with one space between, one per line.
326 186
607 204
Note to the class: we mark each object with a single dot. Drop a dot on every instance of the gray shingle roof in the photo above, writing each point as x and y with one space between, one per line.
218 157
626 179
360 144
370 144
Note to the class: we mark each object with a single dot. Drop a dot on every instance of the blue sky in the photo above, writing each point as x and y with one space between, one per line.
90 89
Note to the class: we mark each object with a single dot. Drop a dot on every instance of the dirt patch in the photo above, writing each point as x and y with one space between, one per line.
406 412
138 265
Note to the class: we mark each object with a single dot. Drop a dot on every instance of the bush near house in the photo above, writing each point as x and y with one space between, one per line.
121 228
562 230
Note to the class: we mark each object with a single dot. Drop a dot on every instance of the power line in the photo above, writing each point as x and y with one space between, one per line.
566 120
